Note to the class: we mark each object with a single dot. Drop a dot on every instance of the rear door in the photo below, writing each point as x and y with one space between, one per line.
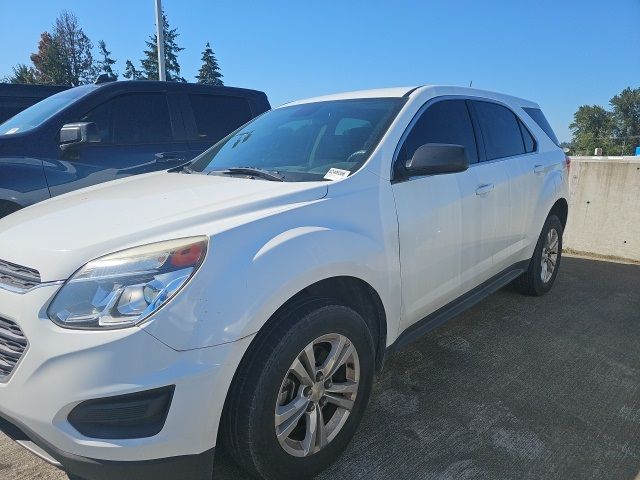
209 118
137 135
506 160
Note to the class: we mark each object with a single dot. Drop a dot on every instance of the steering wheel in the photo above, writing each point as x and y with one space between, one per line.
355 154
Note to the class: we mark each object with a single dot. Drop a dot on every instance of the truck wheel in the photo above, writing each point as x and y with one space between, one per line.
545 263
300 392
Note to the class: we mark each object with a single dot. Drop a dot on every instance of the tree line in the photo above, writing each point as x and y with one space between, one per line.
65 56
616 130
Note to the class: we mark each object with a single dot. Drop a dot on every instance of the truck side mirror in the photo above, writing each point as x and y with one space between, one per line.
79 133
438 158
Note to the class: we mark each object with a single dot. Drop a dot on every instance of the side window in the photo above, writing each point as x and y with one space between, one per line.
101 116
133 119
446 121
217 115
529 141
500 129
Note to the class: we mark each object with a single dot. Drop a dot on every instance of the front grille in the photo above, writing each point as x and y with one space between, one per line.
13 343
18 278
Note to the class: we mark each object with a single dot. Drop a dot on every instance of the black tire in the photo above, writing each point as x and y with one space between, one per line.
531 282
247 427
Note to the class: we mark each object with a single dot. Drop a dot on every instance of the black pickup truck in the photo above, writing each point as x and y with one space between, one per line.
96 133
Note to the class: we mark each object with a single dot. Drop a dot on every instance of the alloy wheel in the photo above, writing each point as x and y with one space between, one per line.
549 255
317 395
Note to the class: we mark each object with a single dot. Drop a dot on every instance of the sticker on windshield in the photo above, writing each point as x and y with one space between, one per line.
336 174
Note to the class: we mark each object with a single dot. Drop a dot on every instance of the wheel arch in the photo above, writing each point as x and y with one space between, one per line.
359 295
561 209
349 291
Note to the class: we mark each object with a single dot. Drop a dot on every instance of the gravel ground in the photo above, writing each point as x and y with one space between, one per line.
516 388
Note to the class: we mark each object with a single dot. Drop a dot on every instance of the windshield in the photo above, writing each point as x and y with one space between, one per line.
37 114
303 142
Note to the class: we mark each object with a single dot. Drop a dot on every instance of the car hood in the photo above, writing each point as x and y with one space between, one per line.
58 236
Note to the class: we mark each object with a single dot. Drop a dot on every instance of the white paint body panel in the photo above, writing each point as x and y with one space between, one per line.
268 241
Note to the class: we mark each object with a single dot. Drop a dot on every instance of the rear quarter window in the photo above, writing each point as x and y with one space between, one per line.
538 117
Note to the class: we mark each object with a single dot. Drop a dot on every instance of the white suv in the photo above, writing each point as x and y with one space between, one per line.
250 297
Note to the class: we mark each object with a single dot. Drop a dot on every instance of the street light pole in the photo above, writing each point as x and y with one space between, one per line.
162 75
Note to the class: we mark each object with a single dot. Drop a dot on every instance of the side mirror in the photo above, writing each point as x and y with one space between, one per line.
76 134
438 158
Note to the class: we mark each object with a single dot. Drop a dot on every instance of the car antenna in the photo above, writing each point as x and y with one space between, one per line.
470 83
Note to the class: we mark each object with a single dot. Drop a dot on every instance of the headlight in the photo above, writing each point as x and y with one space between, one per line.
124 288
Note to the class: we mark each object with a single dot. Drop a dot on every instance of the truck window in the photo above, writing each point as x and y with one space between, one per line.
138 118
217 116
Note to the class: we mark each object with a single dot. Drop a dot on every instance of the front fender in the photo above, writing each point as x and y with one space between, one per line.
22 181
253 270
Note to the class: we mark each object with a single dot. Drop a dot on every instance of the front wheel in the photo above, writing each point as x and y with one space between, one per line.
300 393
545 263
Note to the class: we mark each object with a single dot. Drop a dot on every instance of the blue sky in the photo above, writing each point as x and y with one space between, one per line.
561 53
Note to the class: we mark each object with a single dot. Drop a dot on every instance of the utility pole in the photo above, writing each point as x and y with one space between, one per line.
162 74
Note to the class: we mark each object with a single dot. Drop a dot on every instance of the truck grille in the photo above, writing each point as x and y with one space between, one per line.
16 278
13 343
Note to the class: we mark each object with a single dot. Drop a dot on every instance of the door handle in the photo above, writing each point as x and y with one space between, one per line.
538 169
485 189
170 157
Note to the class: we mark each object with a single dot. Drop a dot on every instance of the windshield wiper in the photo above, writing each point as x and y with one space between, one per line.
258 172
183 168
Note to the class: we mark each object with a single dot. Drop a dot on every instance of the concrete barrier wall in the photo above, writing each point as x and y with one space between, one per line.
604 207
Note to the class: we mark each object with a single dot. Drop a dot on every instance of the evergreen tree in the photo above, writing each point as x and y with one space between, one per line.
105 64
130 72
22 74
171 50
210 70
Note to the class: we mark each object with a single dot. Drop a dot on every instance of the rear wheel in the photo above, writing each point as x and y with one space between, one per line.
545 263
300 393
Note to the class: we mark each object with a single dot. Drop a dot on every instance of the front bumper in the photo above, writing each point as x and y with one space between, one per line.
195 467
62 368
